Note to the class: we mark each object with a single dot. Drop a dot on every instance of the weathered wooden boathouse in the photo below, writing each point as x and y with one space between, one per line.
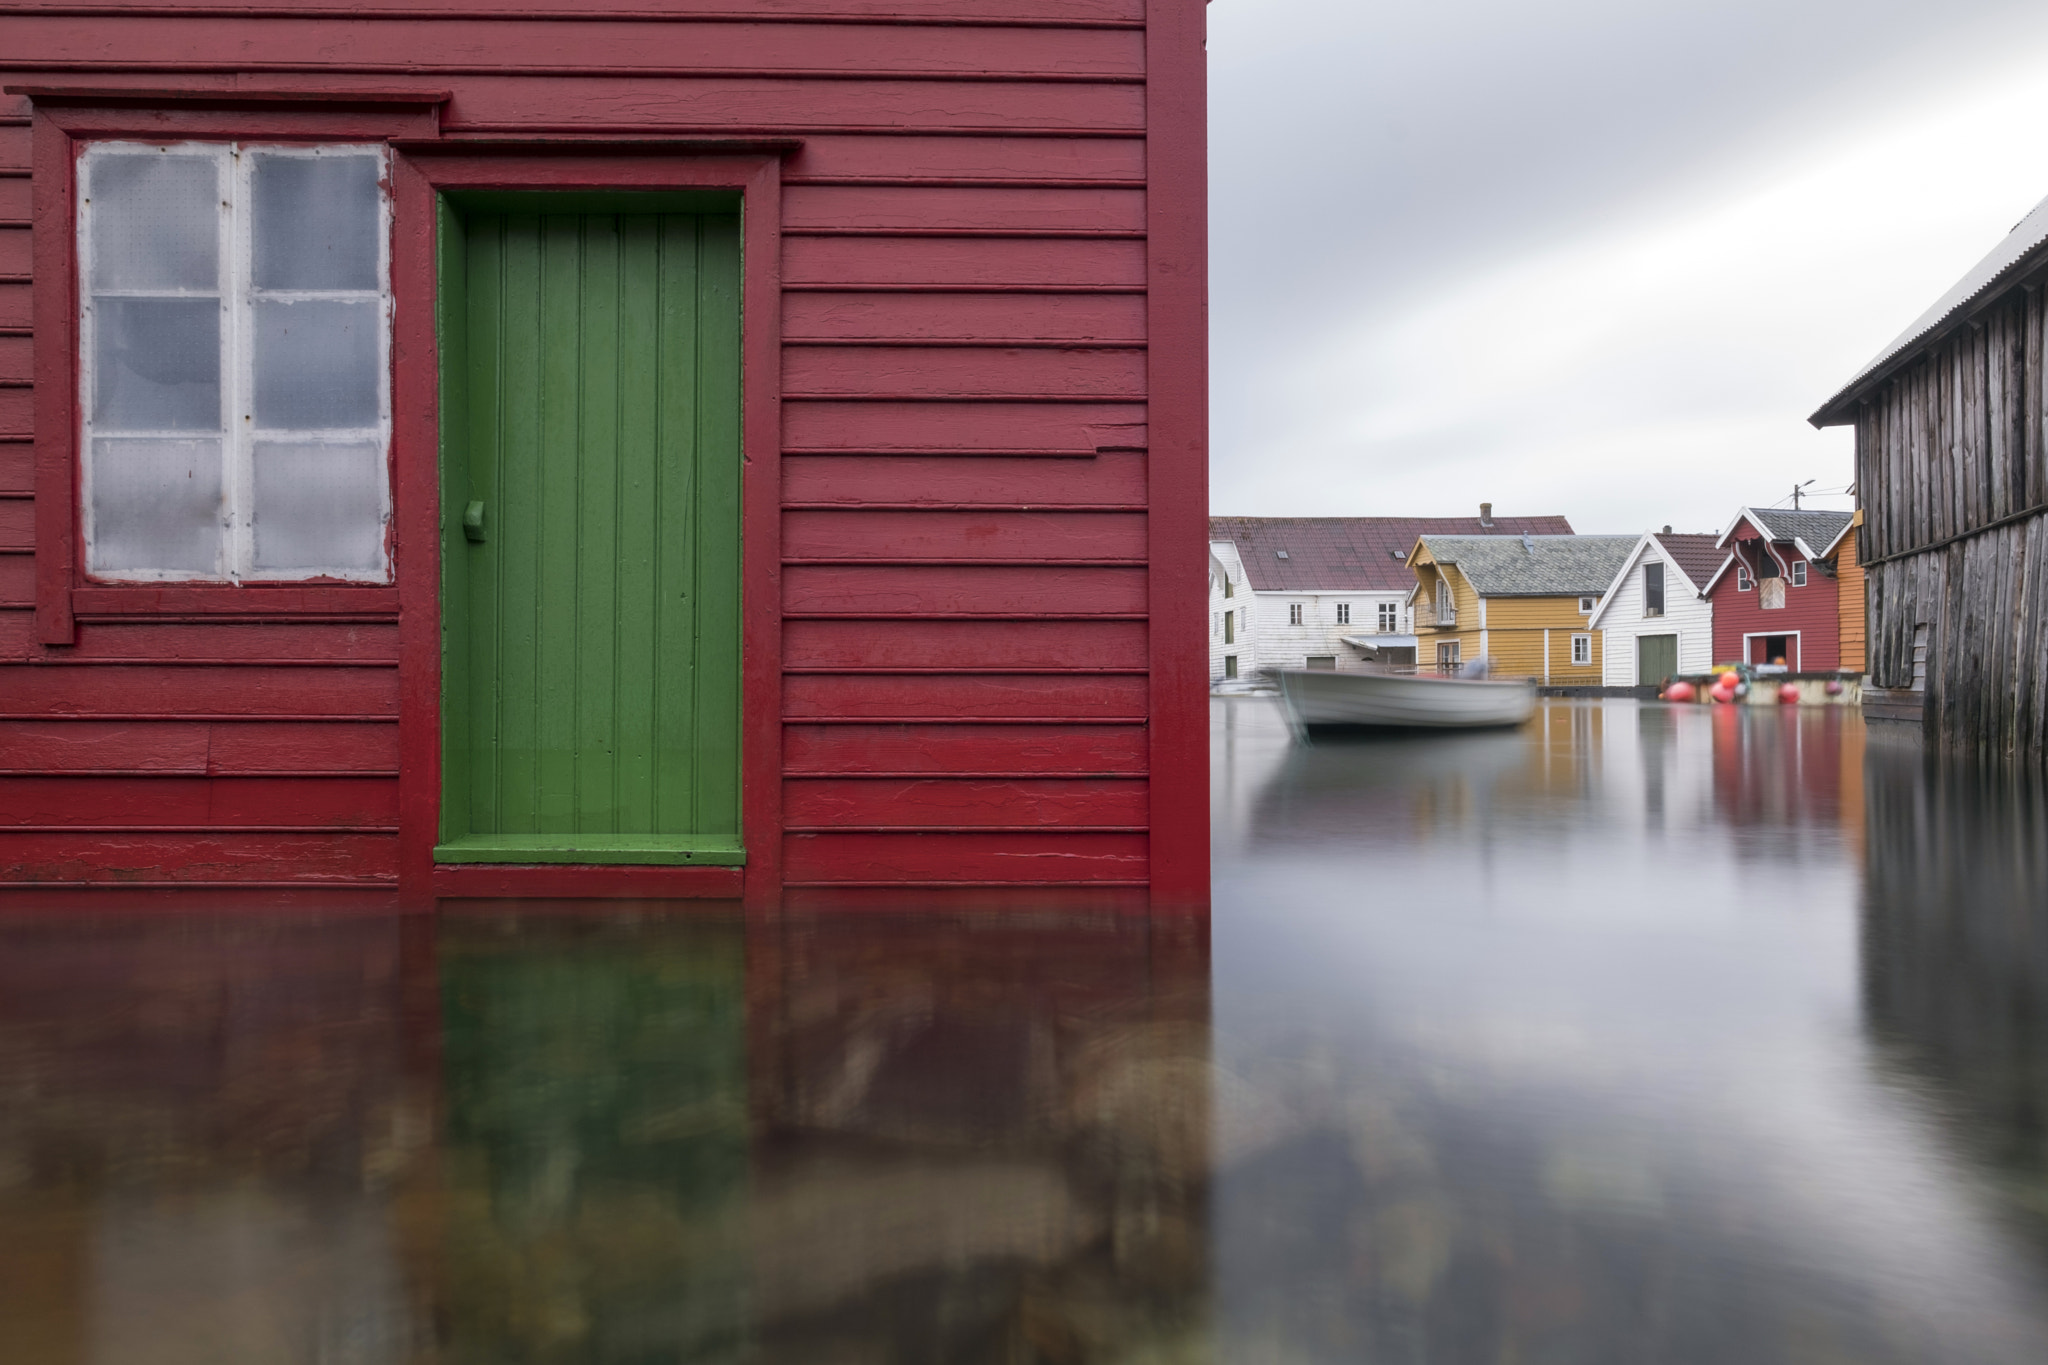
713 448
1952 477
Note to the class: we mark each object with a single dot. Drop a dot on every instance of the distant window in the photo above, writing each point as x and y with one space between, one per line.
1229 588
1742 583
1294 613
1446 606
1798 573
1279 554
1322 663
1582 649
1586 605
1229 627
1390 617
1230 665
1447 655
1343 613
1653 589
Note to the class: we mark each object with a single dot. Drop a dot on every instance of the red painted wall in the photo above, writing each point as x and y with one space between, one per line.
1811 611
990 492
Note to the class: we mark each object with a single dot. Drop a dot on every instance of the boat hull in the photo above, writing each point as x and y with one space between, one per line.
1402 701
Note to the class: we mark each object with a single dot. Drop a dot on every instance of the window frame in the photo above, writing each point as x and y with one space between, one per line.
1343 613
239 296
1582 657
1229 628
1587 605
1798 578
1295 614
1389 617
62 124
1663 583
1743 582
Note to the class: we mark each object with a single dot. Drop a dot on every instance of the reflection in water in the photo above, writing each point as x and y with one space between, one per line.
1640 1034
603 1138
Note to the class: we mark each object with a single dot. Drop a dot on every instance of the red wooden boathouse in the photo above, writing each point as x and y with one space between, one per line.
710 448
1776 597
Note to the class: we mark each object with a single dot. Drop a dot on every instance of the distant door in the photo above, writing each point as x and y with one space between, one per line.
590 541
1322 663
1656 658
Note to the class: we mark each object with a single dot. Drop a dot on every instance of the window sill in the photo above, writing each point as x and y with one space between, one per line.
159 600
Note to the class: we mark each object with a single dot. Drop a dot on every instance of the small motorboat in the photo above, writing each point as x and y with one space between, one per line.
1402 701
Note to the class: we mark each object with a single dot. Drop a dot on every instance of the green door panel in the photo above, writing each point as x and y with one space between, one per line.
590 534
1656 658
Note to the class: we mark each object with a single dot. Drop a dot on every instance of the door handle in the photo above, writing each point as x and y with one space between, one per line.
473 523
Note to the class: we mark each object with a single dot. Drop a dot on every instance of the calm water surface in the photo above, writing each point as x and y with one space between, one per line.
1640 1035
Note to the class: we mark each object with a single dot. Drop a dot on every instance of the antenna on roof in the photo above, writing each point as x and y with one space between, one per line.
1797 489
1528 546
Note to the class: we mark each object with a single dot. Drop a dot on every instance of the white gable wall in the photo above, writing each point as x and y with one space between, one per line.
1265 639
1686 615
1225 553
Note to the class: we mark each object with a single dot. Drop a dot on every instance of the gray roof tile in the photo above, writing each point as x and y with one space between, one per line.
1535 566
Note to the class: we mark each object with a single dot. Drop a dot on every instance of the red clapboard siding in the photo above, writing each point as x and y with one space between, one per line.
17 631
1050 696
54 689
828 750
964 427
1113 478
933 372
238 642
224 856
17 518
650 103
197 747
15 195
1045 536
861 156
952 317
17 580
437 46
964 857
14 305
17 465
795 11
16 353
14 251
979 208
921 802
828 645
14 142
894 588
16 406
342 803
958 261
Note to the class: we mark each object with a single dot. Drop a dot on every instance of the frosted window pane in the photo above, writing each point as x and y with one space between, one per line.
316 364
155 222
315 223
156 505
156 364
319 507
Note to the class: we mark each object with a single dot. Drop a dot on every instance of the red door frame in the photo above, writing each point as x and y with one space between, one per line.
420 172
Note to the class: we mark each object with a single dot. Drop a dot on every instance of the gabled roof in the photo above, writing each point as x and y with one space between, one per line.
1694 556
1534 566
2016 255
1350 554
1812 531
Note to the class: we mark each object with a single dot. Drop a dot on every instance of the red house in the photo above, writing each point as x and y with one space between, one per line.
682 449
1775 596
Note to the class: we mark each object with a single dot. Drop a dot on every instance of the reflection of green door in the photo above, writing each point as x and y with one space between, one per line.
1656 658
590 530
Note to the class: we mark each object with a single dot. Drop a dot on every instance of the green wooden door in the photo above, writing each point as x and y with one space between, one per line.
1656 658
590 531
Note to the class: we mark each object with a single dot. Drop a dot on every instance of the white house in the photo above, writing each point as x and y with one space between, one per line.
1325 592
1655 616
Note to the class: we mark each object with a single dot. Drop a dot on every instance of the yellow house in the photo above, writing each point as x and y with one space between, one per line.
1522 602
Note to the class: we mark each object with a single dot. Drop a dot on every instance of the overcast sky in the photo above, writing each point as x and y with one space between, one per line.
1594 257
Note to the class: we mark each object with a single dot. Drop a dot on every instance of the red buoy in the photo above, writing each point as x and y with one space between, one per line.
1788 694
1681 691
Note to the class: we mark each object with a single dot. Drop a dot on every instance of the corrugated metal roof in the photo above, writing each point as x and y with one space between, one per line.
1983 280
1350 554
1534 566
1695 555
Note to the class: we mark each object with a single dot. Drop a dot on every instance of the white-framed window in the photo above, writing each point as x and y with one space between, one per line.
1586 605
1320 663
234 342
1390 618
1294 613
1582 649
1446 605
1343 613
1798 573
1229 588
1230 665
1742 583
1653 588
1229 627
